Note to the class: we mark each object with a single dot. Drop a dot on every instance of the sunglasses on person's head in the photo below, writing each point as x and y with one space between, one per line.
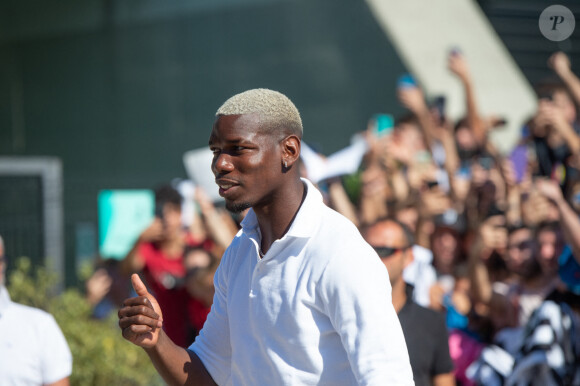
385 252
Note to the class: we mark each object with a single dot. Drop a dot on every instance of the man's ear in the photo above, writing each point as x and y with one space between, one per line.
290 150
409 257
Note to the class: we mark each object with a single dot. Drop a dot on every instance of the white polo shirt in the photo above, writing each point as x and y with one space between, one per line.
33 350
315 310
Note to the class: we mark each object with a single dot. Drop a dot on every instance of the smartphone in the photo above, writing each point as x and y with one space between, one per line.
159 211
486 162
501 122
384 124
439 105
519 159
406 81
432 184
464 170
159 214
576 199
455 51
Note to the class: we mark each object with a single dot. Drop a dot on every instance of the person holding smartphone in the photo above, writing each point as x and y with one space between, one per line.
158 254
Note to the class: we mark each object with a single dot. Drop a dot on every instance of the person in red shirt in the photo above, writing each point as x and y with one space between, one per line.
158 253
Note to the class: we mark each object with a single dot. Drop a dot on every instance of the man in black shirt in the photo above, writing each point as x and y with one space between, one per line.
424 329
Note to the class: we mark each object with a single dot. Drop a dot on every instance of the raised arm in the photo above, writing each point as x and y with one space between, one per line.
568 218
141 319
457 64
133 261
412 98
554 117
560 63
221 228
492 236
340 201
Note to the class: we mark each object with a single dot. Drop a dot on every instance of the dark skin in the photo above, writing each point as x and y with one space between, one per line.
254 169
250 162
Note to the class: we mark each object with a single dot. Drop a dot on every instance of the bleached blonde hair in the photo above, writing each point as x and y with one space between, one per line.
276 111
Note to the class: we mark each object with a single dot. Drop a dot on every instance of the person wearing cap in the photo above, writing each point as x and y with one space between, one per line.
424 329
300 297
33 350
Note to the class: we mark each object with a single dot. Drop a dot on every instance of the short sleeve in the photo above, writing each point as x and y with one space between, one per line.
212 345
357 294
56 356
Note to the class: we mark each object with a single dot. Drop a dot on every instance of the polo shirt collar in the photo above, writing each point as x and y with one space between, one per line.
306 221
4 300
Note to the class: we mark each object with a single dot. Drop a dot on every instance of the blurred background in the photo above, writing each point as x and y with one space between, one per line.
105 94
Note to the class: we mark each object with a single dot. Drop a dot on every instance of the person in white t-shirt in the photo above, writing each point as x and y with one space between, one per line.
33 350
301 298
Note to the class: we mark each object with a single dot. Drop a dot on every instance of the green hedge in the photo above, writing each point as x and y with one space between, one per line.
100 354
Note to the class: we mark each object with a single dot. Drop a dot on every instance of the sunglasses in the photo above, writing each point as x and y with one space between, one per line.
385 252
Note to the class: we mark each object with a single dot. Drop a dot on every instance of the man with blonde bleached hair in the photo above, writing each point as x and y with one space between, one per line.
300 297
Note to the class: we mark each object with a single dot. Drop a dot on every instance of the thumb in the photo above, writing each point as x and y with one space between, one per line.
141 290
138 285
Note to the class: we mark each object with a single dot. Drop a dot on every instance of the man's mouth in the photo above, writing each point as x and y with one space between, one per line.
225 186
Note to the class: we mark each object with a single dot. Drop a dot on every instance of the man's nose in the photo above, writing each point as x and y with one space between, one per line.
222 163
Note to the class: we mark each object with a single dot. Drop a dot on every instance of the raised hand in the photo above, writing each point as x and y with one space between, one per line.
549 189
154 232
98 286
457 64
413 99
140 318
493 233
560 63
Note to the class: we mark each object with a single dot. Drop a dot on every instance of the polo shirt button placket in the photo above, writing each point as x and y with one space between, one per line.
255 273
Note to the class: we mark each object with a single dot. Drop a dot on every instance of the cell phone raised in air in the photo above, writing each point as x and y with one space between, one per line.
159 211
439 105
406 81
383 124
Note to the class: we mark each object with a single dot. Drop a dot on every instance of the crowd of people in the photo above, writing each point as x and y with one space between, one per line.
482 248
495 235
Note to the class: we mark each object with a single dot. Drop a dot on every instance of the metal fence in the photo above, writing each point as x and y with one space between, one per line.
31 215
